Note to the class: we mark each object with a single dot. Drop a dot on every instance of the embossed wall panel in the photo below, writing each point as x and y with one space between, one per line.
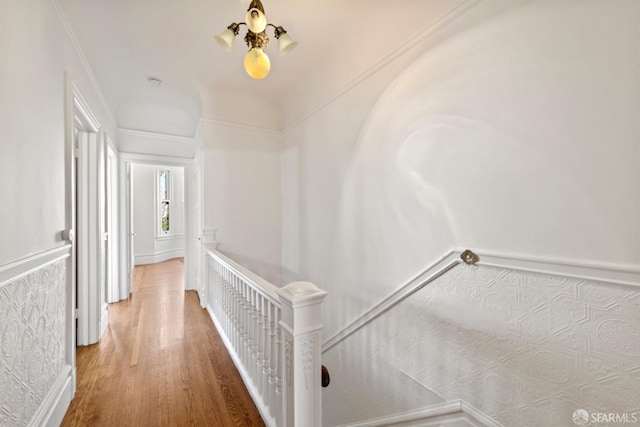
32 315
526 349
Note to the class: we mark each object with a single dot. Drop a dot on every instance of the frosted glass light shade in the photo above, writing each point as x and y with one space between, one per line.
225 39
256 20
257 63
286 44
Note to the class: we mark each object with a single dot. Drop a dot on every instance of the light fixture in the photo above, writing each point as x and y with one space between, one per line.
256 61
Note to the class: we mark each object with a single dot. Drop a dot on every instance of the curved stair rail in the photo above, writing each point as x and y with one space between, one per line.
273 335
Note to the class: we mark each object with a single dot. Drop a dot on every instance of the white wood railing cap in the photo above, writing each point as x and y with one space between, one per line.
301 292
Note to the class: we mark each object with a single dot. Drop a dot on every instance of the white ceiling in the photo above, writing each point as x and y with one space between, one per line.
125 41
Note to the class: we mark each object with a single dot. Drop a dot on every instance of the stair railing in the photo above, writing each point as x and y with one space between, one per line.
273 336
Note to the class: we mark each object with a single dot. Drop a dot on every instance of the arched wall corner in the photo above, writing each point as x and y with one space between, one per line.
499 138
481 143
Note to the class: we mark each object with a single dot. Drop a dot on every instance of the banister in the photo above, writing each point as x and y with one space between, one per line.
273 336
269 289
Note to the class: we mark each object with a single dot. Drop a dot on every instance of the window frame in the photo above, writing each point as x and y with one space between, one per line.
160 233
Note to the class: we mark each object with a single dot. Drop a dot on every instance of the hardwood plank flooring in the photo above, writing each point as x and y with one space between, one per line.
161 362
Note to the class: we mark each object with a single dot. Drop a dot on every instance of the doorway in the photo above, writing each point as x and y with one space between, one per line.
161 244
158 213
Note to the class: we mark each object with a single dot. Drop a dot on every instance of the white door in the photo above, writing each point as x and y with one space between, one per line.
92 239
131 234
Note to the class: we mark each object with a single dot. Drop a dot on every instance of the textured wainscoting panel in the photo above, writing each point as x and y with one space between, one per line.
526 349
32 334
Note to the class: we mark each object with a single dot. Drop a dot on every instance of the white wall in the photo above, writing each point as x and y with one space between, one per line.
36 57
149 247
156 144
513 132
502 137
35 54
242 195
526 349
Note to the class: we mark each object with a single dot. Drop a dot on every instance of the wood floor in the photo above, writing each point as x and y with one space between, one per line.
160 363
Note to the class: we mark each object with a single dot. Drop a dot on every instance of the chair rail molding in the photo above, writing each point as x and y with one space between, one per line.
615 274
16 270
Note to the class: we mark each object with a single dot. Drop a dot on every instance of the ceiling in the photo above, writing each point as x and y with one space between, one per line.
126 41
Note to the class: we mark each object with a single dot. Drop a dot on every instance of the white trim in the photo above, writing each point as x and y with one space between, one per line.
83 58
435 270
156 135
478 415
82 113
11 272
246 378
190 230
55 404
143 259
616 274
240 125
152 159
269 289
170 236
453 409
446 408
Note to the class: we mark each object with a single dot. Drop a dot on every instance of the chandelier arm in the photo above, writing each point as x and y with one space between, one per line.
277 30
235 27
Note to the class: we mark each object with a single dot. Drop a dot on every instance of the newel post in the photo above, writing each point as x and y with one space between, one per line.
301 366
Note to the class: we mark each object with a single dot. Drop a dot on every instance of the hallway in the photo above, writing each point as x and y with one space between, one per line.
160 363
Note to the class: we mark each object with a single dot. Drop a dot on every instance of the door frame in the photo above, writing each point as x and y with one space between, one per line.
78 118
115 292
126 223
87 189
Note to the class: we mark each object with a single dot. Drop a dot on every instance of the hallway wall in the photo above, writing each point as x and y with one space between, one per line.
36 57
498 138
514 131
36 54
242 194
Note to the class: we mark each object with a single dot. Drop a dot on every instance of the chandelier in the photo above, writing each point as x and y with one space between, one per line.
256 62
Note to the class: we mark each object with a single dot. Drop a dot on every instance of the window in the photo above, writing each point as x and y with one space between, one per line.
164 197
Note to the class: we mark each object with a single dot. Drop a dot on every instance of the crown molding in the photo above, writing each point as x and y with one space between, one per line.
398 52
156 135
83 59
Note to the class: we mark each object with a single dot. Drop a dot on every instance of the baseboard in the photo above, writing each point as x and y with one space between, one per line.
455 413
57 401
154 258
